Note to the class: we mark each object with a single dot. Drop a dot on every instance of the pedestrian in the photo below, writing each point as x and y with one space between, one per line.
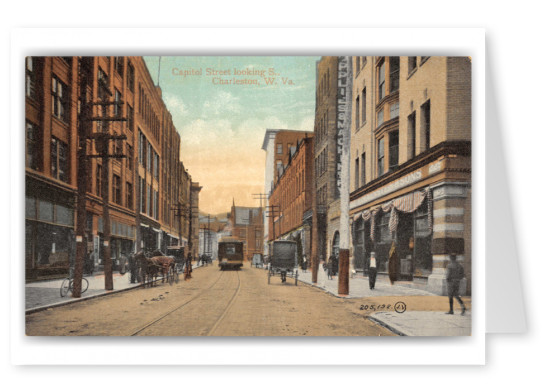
454 274
304 264
331 266
133 268
372 272
90 263
187 270
393 267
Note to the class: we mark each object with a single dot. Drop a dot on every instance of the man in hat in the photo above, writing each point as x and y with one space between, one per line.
454 275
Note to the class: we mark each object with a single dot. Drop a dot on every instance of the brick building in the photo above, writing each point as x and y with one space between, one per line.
142 187
410 164
279 145
246 225
292 194
326 161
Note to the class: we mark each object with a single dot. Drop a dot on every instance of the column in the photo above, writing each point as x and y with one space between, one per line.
449 233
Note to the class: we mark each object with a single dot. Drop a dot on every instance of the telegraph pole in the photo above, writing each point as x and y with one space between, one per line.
102 141
82 174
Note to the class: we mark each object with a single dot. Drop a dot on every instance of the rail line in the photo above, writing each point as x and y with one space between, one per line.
159 318
227 307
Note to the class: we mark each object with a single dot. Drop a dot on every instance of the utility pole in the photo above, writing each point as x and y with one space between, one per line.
179 211
84 71
102 141
273 210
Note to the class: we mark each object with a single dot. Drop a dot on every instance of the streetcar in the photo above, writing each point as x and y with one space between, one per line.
230 253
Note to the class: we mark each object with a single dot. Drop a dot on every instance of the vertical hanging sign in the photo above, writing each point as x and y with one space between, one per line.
342 103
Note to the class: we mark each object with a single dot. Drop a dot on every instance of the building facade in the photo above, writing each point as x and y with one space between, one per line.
278 144
142 186
292 192
410 165
326 237
247 225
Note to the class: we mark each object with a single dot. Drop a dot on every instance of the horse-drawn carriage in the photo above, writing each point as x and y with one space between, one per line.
283 260
157 263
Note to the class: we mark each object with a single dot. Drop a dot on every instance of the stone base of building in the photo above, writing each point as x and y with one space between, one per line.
438 284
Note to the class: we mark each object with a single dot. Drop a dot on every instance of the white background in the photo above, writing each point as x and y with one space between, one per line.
518 52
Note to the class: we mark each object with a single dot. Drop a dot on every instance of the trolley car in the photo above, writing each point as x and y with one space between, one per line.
230 253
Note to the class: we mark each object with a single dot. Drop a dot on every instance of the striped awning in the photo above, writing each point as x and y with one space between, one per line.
405 204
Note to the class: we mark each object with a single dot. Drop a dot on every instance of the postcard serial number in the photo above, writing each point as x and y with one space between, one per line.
398 307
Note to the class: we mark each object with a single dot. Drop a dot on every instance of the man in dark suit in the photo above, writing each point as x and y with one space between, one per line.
454 275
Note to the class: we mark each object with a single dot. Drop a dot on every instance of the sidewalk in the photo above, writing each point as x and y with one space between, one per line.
41 295
408 323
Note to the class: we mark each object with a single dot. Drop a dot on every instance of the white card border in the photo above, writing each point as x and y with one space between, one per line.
246 351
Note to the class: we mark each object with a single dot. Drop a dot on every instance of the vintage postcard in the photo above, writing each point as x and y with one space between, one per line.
248 196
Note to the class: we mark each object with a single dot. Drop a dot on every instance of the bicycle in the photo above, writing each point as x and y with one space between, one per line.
67 285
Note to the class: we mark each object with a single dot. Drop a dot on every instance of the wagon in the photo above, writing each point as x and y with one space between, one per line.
283 260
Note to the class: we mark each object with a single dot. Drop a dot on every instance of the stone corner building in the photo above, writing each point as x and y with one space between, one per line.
410 165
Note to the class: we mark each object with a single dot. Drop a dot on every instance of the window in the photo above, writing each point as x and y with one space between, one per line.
394 73
412 64
102 79
381 157
425 116
393 149
364 96
364 61
31 146
363 169
358 112
130 76
98 180
141 147
383 232
357 174
130 117
129 195
423 59
117 189
380 117
58 159
155 165
411 135
395 110
357 65
279 149
381 85
117 105
119 65
30 77
148 200
60 107
129 157
142 195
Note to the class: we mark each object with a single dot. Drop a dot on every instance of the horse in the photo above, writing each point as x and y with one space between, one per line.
149 269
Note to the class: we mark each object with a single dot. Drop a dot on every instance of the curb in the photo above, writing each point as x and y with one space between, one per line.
80 299
387 326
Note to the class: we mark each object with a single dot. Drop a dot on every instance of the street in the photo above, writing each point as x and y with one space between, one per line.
224 303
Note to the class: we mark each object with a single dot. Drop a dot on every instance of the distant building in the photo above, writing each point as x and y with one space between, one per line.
247 226
279 145
292 192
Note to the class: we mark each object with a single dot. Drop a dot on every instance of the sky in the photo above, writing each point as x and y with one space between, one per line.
222 106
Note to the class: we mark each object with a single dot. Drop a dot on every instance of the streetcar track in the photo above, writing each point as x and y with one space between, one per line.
136 332
227 307
217 323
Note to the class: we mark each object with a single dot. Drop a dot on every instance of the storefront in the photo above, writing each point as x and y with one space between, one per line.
49 238
425 208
